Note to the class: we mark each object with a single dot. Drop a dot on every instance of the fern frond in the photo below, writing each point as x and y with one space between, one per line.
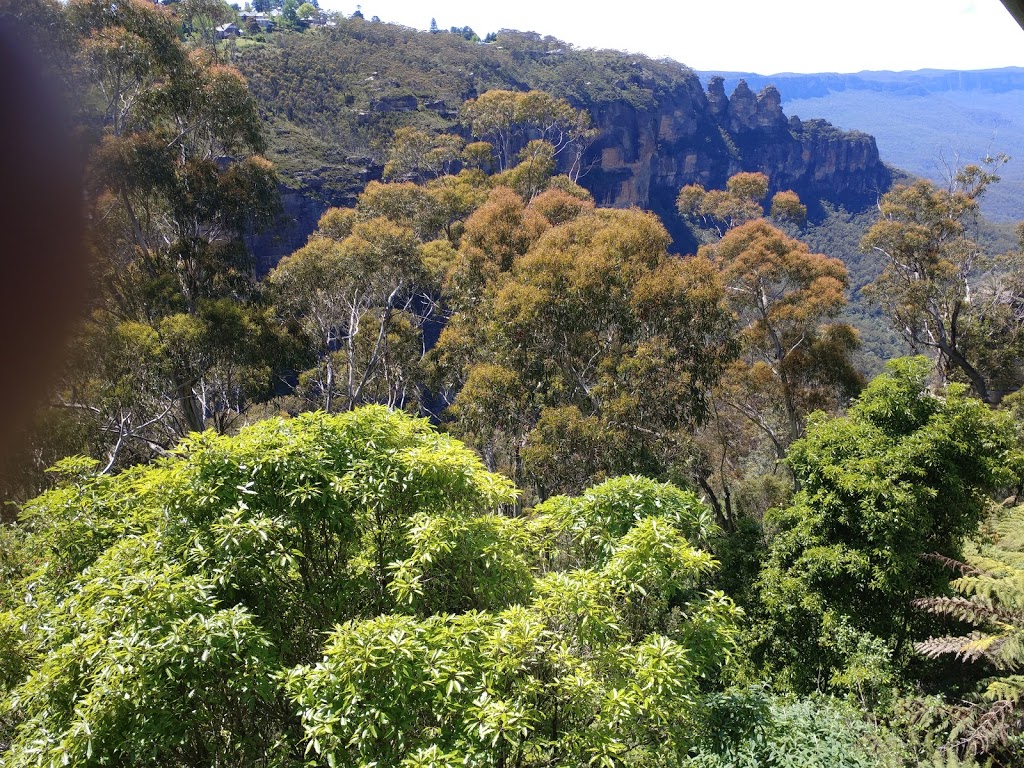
1007 653
985 727
1003 587
988 565
991 597
966 609
970 647
1009 530
953 564
1009 688
1004 652
949 758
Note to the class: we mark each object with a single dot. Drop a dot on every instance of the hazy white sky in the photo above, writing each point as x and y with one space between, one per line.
746 35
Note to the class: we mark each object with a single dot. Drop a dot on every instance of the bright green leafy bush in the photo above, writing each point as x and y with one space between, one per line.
175 614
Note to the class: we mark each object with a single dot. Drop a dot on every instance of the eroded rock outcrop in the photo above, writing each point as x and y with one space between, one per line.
659 130
644 156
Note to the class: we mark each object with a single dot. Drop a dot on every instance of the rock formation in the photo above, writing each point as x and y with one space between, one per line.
659 130
643 157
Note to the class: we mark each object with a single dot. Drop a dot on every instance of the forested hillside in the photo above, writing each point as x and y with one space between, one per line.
333 98
488 470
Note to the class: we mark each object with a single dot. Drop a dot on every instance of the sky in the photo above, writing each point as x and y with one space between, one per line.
746 35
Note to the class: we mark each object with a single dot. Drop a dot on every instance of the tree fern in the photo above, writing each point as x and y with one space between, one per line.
991 598
950 759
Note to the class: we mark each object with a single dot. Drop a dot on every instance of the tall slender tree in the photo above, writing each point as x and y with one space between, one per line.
175 181
941 291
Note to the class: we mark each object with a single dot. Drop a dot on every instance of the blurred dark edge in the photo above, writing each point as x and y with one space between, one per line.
1016 9
43 263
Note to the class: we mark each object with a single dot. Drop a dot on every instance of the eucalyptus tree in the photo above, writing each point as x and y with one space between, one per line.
941 291
174 181
794 353
355 298
712 213
421 155
508 119
784 297
590 315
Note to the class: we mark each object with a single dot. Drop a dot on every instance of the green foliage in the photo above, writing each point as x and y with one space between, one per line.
742 553
751 730
949 758
990 597
416 153
364 292
575 673
787 208
566 450
200 18
839 233
360 590
165 597
583 530
289 12
905 473
716 211
493 690
174 614
150 670
783 295
711 213
533 172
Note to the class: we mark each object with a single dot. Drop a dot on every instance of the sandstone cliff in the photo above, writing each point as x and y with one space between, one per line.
695 136
333 100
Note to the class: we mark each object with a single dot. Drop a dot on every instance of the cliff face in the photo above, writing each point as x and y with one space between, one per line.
303 202
333 100
643 157
923 121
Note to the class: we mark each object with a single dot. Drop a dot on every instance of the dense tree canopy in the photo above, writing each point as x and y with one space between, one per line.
590 328
352 586
175 614
783 295
904 474
714 212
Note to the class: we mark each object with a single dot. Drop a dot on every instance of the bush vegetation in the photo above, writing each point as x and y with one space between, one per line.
452 484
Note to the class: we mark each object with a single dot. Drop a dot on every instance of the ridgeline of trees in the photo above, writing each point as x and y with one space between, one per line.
333 97
484 475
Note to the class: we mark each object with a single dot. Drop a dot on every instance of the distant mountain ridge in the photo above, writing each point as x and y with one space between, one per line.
926 121
795 86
